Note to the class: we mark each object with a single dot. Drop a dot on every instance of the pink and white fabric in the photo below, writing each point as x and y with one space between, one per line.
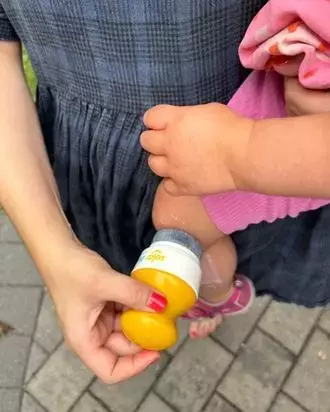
290 37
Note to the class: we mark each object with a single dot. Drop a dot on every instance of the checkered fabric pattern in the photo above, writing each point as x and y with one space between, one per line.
100 65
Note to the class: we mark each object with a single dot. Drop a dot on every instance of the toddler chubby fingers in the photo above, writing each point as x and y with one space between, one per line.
153 142
172 188
159 117
159 165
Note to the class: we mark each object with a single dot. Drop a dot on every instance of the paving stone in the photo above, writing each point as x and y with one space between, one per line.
88 404
154 403
289 324
19 307
30 405
309 382
59 383
193 374
48 332
126 396
7 231
14 351
219 405
284 404
36 359
16 267
233 332
9 400
256 374
183 328
325 320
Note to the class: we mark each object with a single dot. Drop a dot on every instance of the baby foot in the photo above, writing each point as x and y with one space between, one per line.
207 317
203 327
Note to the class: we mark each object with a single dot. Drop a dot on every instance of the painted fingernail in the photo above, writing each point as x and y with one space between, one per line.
157 302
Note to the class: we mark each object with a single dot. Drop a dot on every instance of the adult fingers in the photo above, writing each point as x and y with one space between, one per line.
111 368
120 345
128 366
115 287
101 353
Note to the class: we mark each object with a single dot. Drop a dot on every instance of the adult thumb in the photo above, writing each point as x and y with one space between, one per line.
133 294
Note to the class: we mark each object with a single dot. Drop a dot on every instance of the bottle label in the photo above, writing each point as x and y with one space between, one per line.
174 259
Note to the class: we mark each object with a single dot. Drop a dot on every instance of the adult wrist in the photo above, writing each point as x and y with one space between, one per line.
51 246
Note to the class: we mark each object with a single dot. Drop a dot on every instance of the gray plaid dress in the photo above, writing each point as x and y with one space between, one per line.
101 64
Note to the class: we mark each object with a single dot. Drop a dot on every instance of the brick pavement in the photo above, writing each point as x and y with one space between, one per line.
275 359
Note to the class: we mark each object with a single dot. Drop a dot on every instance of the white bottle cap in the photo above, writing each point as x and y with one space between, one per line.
173 257
179 237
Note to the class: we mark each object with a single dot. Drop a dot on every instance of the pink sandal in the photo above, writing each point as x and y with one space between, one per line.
237 304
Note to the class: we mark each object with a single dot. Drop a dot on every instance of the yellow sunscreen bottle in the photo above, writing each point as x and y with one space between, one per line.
171 265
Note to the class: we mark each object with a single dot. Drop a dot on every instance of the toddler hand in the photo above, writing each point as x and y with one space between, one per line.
197 149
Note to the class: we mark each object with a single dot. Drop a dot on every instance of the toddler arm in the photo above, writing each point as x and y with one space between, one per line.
289 157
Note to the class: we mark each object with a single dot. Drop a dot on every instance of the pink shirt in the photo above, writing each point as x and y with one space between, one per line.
292 36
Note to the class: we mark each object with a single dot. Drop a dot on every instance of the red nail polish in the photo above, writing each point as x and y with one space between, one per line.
157 302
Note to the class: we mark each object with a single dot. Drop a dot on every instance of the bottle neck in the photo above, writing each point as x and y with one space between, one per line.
181 238
172 258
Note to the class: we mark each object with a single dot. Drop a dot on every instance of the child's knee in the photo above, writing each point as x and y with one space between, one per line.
184 213
167 211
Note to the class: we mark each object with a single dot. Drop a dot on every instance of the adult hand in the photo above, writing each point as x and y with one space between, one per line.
301 101
196 148
89 297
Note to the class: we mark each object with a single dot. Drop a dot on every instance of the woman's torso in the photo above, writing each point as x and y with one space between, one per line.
100 64
131 54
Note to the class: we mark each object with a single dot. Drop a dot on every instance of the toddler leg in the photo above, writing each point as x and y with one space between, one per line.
188 214
218 293
218 263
